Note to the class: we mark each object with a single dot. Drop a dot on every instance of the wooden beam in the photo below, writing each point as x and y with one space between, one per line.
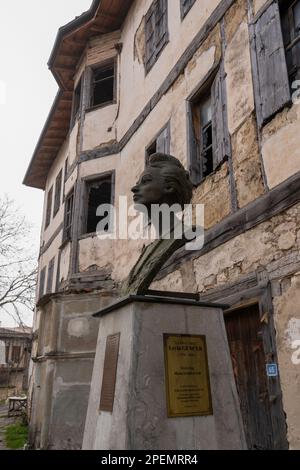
108 16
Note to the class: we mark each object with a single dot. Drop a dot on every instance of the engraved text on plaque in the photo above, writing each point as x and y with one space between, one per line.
187 376
109 373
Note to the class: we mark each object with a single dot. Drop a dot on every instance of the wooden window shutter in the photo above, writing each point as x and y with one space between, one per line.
156 31
49 207
57 197
220 133
163 141
273 83
193 157
161 22
50 276
150 36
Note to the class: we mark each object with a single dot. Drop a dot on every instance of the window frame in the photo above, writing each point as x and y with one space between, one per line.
213 81
13 354
194 124
86 182
90 71
75 114
166 127
159 40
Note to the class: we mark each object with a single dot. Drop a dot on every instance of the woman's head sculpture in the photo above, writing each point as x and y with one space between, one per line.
164 181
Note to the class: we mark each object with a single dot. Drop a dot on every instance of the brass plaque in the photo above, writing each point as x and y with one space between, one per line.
110 373
187 376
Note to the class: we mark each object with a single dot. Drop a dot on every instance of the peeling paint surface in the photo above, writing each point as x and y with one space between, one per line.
293 331
78 327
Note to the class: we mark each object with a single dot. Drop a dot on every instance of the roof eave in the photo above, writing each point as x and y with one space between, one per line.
35 176
26 180
69 28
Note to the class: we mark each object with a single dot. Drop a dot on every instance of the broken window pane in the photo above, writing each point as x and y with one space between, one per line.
201 122
205 111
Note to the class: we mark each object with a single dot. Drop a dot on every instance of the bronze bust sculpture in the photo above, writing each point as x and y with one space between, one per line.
164 181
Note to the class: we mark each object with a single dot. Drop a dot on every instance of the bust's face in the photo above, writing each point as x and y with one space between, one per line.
151 188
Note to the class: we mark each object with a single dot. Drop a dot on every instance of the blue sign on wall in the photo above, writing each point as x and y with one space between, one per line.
272 370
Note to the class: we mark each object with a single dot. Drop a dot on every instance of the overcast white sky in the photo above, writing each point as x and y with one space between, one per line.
27 33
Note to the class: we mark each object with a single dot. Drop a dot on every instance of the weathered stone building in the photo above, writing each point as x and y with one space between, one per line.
214 83
15 345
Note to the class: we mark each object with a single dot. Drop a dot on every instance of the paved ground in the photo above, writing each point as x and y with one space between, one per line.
4 422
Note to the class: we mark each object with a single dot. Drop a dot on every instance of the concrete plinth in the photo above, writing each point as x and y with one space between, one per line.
139 419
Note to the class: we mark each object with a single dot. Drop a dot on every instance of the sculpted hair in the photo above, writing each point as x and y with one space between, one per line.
175 176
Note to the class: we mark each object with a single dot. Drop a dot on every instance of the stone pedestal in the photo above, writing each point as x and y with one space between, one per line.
139 419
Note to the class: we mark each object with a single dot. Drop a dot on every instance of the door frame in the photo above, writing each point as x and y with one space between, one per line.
261 295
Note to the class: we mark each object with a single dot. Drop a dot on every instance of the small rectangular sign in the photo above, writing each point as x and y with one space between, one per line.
272 370
187 376
109 373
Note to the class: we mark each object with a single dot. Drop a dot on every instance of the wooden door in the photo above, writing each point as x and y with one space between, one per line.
245 336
